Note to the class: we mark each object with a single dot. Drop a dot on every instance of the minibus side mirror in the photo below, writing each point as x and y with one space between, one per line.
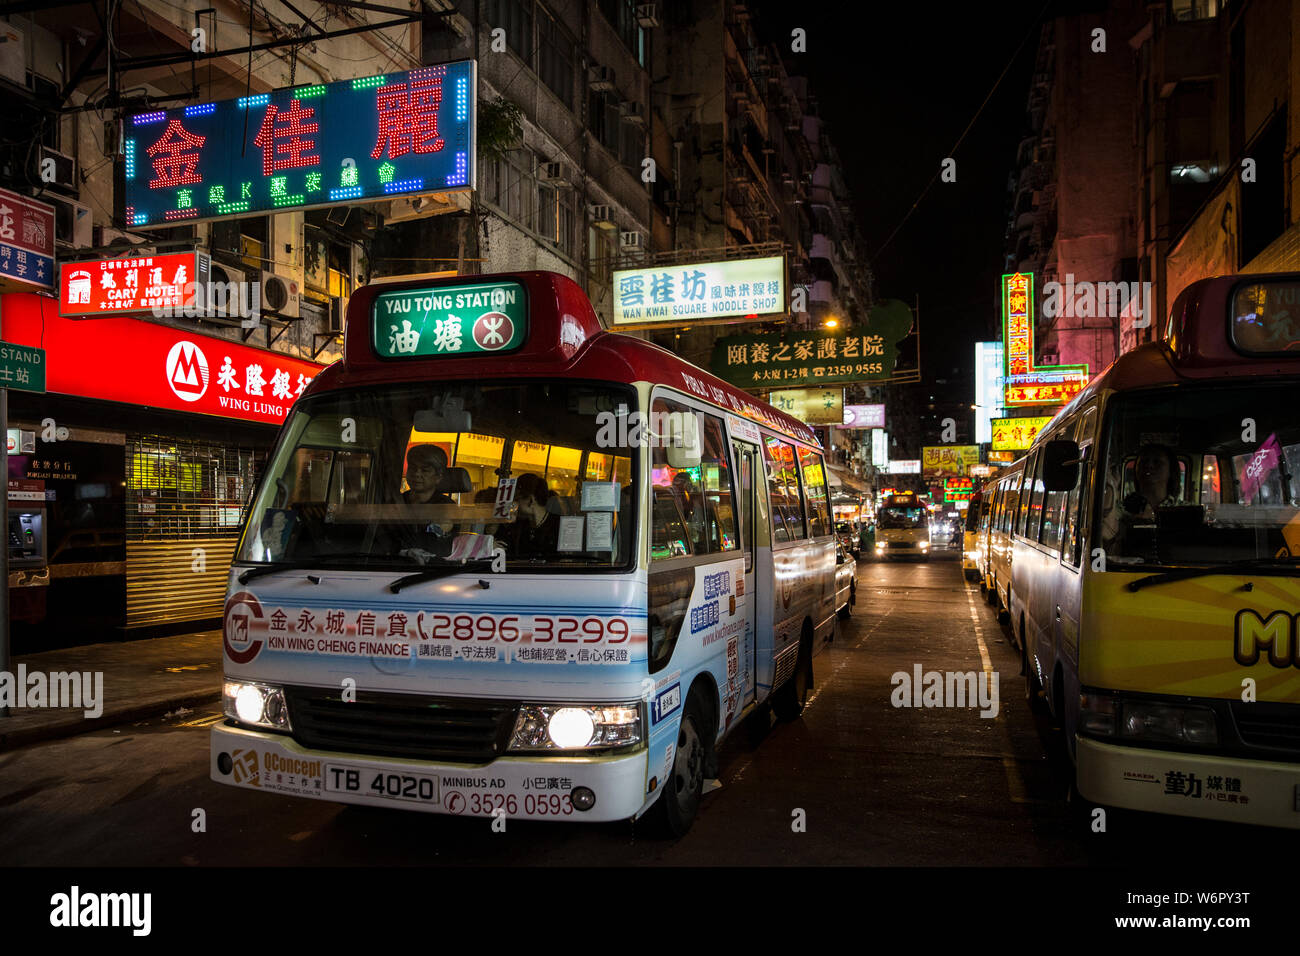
1060 465
683 440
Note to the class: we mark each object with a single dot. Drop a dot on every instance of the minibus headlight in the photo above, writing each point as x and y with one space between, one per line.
257 705
1097 714
576 727
1151 721
1106 716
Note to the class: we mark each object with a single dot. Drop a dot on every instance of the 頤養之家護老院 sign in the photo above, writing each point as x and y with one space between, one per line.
817 357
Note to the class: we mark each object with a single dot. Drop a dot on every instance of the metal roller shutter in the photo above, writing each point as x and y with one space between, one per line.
184 508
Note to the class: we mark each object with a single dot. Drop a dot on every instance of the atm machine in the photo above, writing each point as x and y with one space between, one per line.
29 571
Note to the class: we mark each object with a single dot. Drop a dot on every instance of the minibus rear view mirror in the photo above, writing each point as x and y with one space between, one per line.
1060 465
449 417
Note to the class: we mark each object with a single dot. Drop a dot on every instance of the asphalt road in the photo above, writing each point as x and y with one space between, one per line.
877 784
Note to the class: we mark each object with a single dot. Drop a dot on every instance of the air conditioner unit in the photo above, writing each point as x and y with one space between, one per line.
633 112
629 239
647 14
74 226
280 295
106 236
601 78
602 215
229 293
555 173
63 166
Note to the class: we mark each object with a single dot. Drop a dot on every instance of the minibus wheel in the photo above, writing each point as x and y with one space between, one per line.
684 787
789 698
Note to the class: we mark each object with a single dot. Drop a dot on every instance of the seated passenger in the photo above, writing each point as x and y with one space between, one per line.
537 530
426 467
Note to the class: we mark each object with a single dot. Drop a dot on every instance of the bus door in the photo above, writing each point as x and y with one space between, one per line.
746 458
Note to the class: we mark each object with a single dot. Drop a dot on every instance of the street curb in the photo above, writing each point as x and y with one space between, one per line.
13 740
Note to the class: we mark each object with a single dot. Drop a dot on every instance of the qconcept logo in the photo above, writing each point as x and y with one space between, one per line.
187 371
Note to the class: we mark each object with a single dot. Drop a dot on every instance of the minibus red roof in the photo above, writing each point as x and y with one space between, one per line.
565 339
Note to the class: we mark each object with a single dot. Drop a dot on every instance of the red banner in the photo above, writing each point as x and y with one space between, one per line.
129 360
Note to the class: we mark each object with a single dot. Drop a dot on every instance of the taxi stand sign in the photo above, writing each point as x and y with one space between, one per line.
483 318
22 367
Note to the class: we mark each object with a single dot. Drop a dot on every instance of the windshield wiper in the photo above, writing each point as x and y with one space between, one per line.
441 571
316 561
261 569
1182 574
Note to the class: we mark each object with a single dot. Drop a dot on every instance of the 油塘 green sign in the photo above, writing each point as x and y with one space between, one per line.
450 320
813 358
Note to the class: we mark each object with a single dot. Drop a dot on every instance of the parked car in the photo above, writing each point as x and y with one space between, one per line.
848 536
846 582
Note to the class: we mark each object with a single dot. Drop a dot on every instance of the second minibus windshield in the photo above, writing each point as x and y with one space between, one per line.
413 474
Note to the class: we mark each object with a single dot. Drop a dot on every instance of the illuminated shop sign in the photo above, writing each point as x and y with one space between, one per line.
699 291
949 459
988 388
864 416
26 243
122 359
324 145
1027 383
1016 434
134 284
813 406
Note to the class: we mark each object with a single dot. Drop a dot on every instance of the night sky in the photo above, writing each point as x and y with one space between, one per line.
898 83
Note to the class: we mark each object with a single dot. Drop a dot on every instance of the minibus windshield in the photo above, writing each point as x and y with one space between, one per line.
1201 476
403 475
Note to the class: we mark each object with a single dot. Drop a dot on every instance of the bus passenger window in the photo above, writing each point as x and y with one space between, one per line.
715 479
814 482
669 539
783 485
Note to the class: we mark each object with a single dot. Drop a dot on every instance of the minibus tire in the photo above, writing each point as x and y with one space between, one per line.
789 698
1033 697
677 809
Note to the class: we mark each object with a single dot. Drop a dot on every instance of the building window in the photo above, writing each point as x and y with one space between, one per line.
555 55
516 18
604 120
621 15
1184 10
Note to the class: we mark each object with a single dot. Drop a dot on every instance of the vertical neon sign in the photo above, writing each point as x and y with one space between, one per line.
1027 383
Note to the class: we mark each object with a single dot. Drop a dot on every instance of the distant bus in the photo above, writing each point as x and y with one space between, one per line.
505 562
903 526
1155 580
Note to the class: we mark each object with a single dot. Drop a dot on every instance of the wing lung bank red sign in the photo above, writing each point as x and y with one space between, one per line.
128 360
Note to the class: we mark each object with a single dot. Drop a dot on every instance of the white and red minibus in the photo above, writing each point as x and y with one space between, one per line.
505 562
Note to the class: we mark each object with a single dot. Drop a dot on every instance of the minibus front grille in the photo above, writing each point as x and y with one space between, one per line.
415 726
1263 724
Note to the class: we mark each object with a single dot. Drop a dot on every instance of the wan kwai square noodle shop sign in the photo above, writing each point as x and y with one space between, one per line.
323 145
699 292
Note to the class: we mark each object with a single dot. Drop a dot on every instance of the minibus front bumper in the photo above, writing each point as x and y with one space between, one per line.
1193 785
517 787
